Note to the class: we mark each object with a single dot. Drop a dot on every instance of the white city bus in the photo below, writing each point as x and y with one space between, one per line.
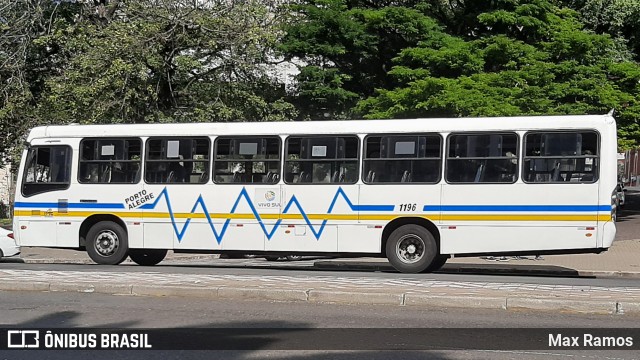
415 191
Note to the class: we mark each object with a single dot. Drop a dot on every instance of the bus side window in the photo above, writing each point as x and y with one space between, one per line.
321 159
177 160
561 156
110 161
407 158
482 158
247 160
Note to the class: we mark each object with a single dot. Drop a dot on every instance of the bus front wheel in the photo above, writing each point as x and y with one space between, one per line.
107 243
147 257
437 264
411 249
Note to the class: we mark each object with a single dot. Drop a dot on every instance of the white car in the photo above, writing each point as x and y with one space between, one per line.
8 246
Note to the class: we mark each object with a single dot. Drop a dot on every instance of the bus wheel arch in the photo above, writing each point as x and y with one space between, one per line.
412 245
94 219
105 239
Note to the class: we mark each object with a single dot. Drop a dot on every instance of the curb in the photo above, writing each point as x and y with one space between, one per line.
362 298
177 290
476 302
507 303
565 305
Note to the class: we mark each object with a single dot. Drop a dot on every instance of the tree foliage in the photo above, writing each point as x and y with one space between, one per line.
499 58
144 61
347 48
22 68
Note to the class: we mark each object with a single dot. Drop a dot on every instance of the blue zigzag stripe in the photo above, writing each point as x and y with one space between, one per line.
243 194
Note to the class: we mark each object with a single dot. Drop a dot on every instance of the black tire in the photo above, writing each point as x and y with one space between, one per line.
411 249
437 264
232 256
147 257
294 257
1 255
107 243
272 258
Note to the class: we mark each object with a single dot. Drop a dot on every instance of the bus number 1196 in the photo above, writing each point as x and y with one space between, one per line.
407 207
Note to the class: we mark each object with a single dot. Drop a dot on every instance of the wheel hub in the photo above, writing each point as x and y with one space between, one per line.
107 243
410 249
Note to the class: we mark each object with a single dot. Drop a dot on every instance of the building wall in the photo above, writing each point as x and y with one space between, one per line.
631 169
6 184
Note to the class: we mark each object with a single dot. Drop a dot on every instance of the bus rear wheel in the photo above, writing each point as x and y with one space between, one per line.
107 243
411 249
147 257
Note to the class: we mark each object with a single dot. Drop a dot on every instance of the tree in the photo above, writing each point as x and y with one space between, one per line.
347 48
527 58
22 68
112 61
618 18
172 61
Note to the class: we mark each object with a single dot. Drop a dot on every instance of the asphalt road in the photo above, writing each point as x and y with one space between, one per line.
52 310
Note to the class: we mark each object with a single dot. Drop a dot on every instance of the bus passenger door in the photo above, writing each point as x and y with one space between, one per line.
42 203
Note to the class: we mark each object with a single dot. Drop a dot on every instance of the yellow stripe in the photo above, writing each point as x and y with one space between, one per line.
244 216
320 217
338 217
84 214
606 217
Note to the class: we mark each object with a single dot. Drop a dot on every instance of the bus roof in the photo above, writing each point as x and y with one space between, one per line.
328 127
